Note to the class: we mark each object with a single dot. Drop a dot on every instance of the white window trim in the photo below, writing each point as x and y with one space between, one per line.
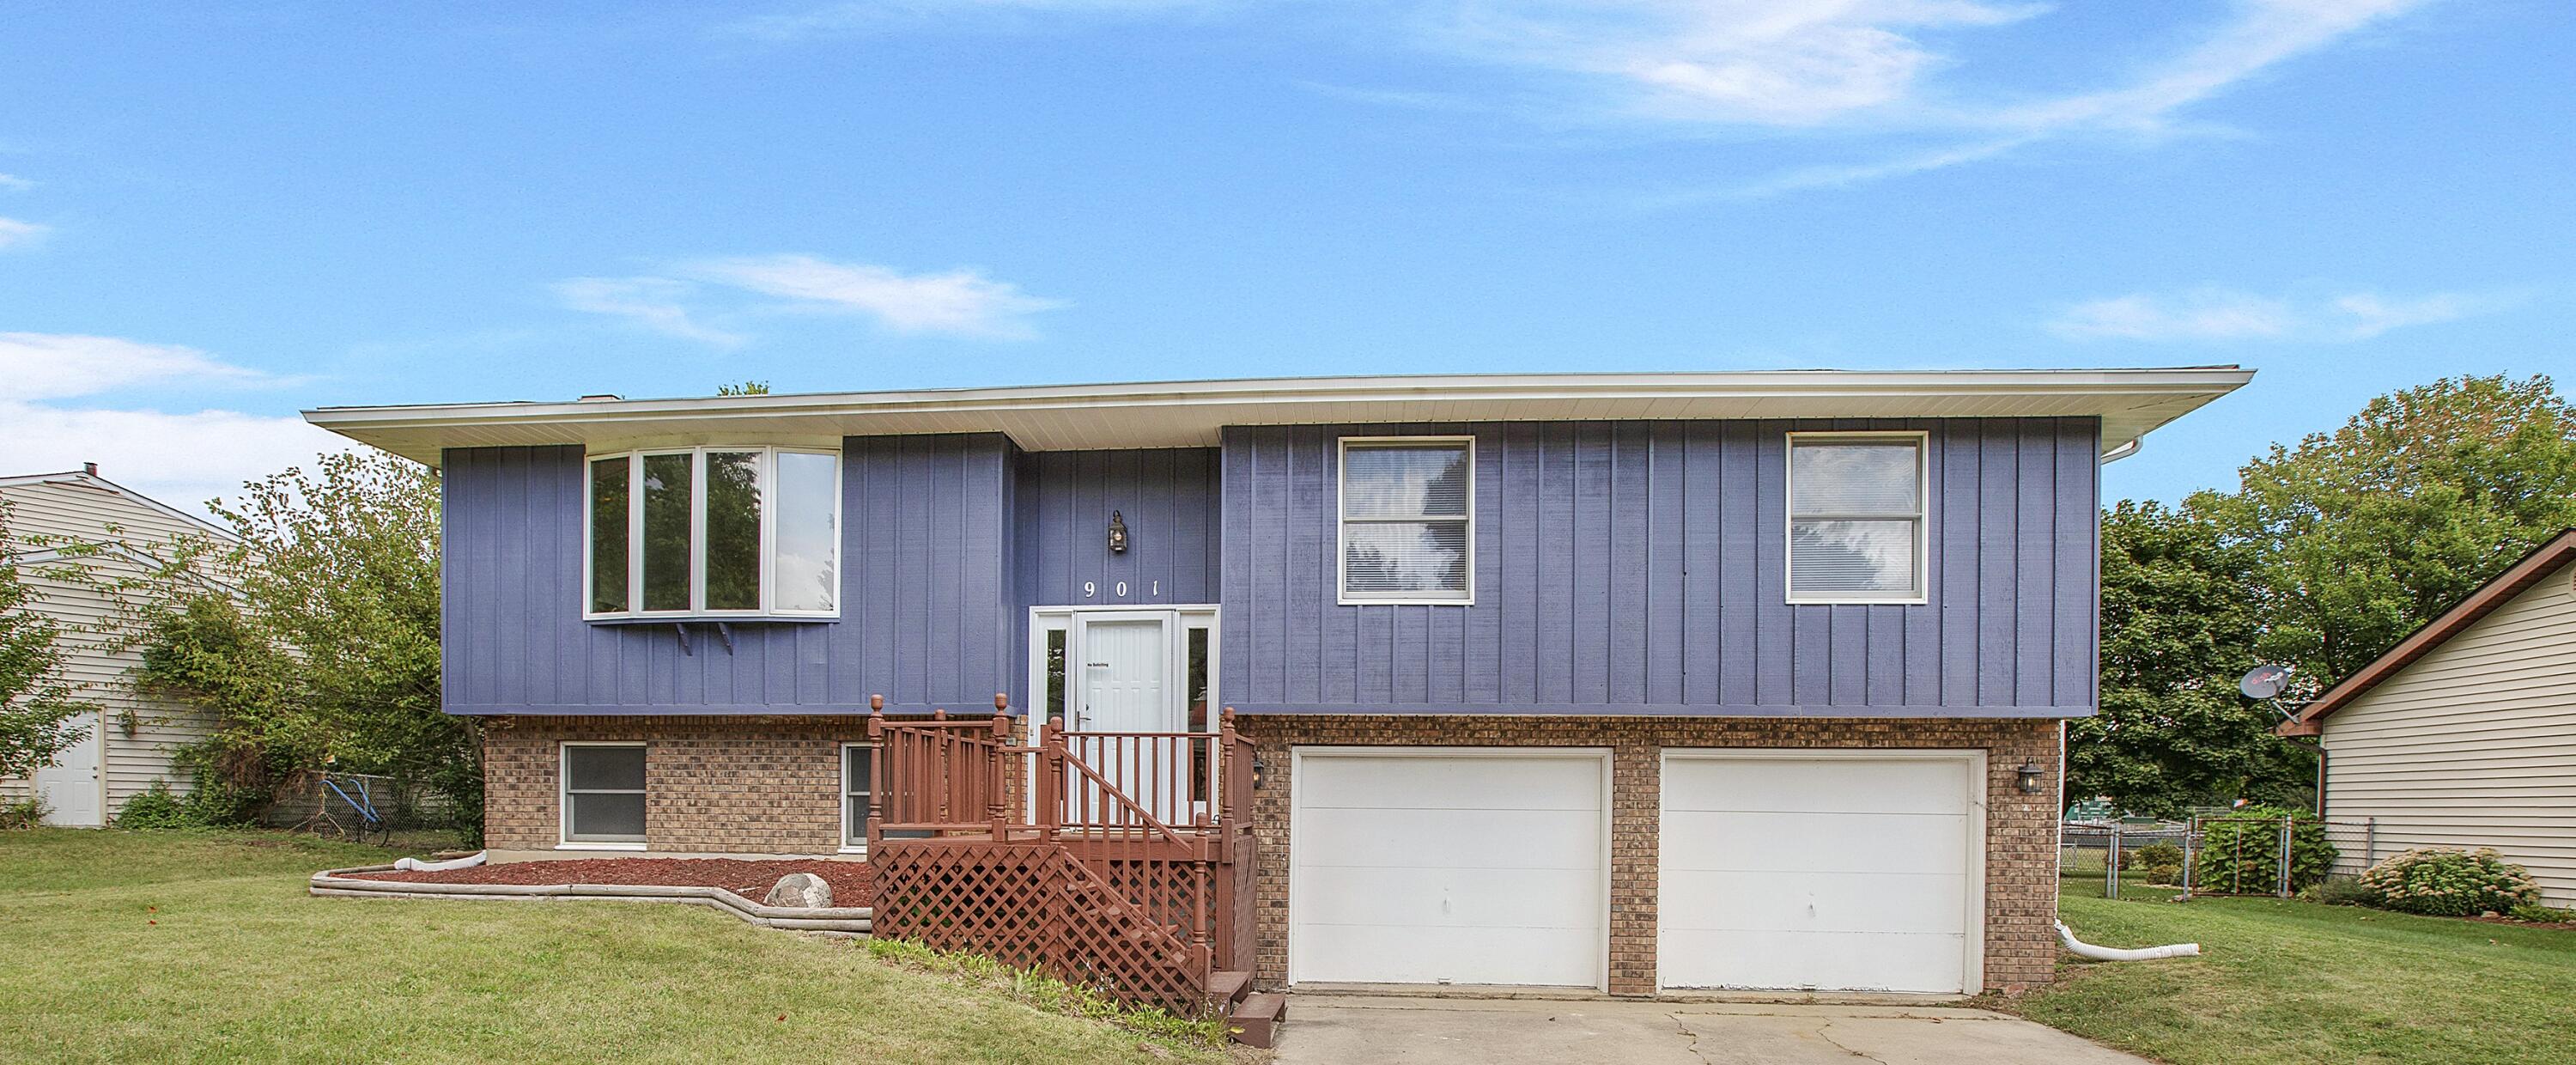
563 799
697 534
1342 523
1922 441
841 793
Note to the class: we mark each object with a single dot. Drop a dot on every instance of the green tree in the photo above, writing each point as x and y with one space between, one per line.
36 706
2361 535
2177 630
747 388
324 650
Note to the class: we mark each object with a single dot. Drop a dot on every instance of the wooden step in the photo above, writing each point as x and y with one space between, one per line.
1256 1022
1228 986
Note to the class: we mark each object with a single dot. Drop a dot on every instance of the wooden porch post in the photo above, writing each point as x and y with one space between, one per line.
877 775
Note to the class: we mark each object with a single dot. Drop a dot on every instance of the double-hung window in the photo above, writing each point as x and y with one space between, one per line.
741 531
1856 518
1407 517
603 794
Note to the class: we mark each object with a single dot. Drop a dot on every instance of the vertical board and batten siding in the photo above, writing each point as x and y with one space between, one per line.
1168 498
1639 567
2474 744
926 589
130 762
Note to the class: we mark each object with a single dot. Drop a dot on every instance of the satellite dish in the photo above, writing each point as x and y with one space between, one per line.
2264 682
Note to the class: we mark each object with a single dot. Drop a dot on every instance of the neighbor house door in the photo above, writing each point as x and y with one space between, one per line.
72 787
1125 681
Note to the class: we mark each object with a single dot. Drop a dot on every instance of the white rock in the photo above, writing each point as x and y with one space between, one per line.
802 890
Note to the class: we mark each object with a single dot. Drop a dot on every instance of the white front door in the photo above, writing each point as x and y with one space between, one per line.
1124 680
1816 871
70 787
1464 866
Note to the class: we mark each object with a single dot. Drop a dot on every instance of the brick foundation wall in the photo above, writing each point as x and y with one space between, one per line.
712 785
2021 829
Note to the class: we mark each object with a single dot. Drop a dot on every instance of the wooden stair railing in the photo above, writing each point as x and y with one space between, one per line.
1065 869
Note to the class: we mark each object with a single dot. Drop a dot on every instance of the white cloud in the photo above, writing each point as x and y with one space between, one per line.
1861 68
958 302
2206 314
17 234
2262 33
1751 62
36 366
2218 314
2372 315
14 183
653 301
181 459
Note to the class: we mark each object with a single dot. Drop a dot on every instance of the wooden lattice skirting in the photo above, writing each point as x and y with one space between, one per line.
1118 930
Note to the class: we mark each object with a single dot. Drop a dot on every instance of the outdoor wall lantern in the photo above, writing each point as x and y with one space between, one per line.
1117 534
2031 777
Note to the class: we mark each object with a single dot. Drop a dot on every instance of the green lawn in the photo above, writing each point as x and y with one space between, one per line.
151 946
2288 981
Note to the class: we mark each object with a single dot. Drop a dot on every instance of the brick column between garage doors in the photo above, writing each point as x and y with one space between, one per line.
2021 829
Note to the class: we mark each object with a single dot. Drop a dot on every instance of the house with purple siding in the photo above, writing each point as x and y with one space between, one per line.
1643 683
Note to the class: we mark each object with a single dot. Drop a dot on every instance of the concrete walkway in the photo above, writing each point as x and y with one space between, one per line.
1346 1030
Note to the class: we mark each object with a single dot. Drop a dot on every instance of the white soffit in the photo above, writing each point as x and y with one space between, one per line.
1193 413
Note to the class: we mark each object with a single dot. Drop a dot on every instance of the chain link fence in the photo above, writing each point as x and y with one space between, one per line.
2213 855
337 806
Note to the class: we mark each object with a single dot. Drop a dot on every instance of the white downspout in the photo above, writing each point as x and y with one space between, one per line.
2086 950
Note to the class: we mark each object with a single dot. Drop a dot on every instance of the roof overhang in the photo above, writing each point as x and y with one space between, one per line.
2130 402
2518 578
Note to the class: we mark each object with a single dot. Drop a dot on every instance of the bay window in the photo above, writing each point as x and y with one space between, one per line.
725 531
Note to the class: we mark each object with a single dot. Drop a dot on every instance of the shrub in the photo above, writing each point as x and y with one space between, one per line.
2448 882
2241 853
2165 874
22 813
2157 854
2533 911
2340 891
155 808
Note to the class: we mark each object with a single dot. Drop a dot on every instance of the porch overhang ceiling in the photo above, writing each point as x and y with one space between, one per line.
2130 402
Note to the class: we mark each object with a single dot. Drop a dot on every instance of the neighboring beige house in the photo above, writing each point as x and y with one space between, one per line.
2464 734
131 739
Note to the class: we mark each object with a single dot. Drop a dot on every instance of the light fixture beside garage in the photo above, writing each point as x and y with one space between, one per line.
1117 533
2032 776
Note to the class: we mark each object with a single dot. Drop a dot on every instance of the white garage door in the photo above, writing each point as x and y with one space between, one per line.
1824 873
1448 868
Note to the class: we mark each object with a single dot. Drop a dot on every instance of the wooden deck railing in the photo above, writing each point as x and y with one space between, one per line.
1143 886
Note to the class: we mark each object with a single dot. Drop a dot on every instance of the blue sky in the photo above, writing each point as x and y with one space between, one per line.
211 219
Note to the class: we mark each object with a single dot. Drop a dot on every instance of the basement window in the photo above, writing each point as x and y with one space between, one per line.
712 531
603 795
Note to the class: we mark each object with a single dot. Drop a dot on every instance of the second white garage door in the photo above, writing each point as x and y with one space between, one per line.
1453 867
1787 870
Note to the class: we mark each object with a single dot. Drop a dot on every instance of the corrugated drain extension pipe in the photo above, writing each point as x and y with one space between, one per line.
2086 950
410 865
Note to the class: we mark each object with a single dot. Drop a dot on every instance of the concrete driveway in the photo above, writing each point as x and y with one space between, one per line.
1335 1030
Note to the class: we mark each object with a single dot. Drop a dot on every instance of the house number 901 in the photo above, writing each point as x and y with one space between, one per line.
1091 589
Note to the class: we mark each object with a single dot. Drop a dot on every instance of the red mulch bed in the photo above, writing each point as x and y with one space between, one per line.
853 883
